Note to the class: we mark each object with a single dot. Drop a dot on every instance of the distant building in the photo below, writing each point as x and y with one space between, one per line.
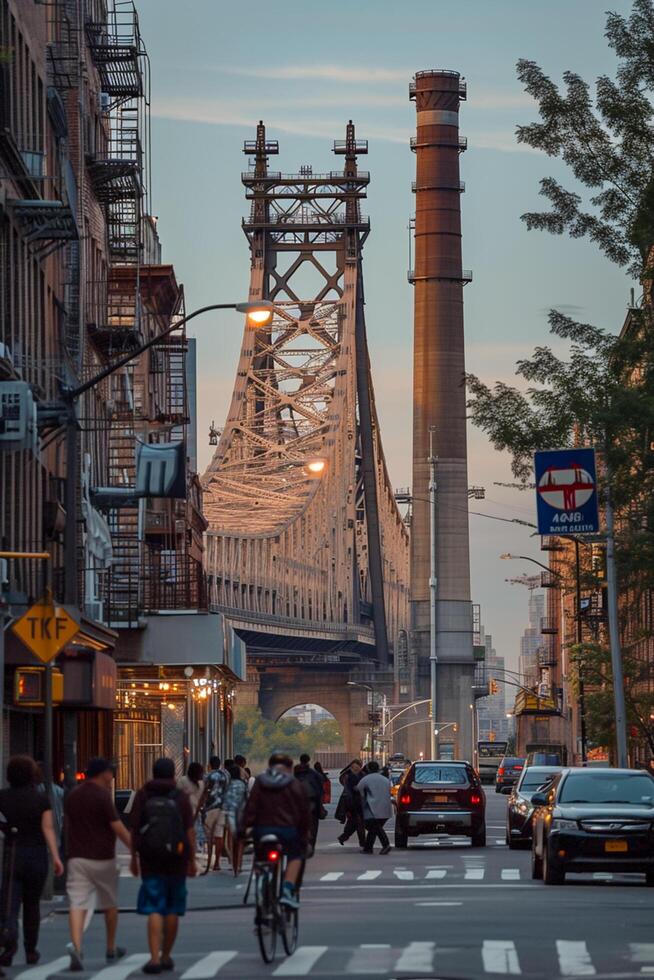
491 711
532 640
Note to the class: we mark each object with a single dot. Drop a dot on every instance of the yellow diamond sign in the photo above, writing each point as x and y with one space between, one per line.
45 629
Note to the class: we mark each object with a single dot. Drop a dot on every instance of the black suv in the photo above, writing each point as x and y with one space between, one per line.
441 797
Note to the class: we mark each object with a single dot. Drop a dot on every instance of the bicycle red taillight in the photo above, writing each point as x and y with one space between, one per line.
273 855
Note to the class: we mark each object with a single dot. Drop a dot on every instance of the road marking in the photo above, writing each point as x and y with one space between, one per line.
373 958
430 904
510 874
500 840
119 971
209 965
642 952
574 958
300 962
500 956
46 969
436 873
368 876
403 875
417 958
474 874
602 876
332 876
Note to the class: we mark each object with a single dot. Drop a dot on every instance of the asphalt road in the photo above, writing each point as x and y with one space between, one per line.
436 910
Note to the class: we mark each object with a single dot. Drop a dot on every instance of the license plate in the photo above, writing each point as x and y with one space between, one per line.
614 846
440 798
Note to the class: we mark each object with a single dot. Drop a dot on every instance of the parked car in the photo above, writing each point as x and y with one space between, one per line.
441 797
594 820
519 810
544 759
508 773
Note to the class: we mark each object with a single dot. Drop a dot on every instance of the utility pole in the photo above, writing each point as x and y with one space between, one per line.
580 638
614 632
433 593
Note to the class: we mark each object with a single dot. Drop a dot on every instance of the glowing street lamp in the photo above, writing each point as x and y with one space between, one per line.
315 467
259 313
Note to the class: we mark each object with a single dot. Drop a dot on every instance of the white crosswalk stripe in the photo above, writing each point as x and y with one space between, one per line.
475 874
122 969
403 875
368 876
45 970
209 965
373 958
436 873
500 956
574 958
302 960
417 958
332 876
510 874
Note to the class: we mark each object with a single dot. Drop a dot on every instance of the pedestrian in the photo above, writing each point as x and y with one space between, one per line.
312 786
193 785
250 778
235 798
278 805
91 826
216 783
326 783
28 827
241 762
375 791
163 850
351 804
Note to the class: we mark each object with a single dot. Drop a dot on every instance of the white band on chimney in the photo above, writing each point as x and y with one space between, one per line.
437 117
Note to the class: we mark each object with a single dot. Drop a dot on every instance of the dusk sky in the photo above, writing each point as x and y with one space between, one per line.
305 68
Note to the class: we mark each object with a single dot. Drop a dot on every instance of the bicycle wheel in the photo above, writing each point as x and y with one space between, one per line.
266 916
289 925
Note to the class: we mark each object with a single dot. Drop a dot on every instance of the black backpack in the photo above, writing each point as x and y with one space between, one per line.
161 835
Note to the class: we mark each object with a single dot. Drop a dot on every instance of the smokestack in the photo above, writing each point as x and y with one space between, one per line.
439 397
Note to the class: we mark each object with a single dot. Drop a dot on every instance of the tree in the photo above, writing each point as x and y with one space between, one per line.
256 737
601 391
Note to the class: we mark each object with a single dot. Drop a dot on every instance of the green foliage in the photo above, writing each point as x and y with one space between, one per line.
593 662
608 144
256 737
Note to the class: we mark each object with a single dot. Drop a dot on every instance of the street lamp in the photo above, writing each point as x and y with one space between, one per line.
315 468
258 312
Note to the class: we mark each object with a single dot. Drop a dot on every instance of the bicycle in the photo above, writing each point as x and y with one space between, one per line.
271 918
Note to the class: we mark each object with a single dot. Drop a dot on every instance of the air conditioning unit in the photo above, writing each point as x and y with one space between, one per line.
105 101
95 610
17 417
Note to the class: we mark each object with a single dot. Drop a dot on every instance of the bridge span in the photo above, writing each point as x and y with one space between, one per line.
307 553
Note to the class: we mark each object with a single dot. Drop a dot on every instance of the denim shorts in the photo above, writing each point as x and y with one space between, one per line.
162 895
288 837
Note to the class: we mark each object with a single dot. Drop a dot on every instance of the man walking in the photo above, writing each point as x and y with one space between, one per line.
312 784
163 845
375 791
352 804
213 802
91 826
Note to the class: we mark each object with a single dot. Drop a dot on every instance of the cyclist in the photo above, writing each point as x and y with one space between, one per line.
278 805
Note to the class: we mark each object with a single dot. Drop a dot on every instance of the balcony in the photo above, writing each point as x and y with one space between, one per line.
459 185
549 626
550 580
551 543
460 143
548 657
463 88
464 277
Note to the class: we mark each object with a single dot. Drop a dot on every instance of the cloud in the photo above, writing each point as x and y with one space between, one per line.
332 73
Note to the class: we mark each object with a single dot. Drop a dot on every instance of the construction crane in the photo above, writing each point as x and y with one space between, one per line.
529 581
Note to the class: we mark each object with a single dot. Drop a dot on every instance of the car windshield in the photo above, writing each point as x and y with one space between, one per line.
532 780
455 775
608 787
512 762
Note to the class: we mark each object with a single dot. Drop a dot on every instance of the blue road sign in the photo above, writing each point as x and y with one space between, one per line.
566 491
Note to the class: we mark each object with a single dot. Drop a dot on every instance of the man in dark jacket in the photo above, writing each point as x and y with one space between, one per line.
313 786
351 778
162 896
278 805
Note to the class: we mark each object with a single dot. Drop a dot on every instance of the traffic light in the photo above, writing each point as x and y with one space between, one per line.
493 686
598 560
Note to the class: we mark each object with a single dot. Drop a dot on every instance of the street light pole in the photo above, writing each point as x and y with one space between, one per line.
614 633
433 595
580 669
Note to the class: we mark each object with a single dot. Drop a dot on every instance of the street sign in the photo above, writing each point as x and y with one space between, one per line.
45 629
566 491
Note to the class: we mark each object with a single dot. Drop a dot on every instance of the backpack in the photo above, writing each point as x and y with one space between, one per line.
218 781
161 835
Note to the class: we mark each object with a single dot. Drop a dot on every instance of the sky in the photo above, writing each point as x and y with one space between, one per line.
305 68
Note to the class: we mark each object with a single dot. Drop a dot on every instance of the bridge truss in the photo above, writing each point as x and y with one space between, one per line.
305 539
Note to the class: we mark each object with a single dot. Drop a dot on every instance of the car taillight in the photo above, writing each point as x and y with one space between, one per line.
273 856
475 799
405 799
500 771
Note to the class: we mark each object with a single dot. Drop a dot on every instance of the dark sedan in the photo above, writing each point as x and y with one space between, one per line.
508 773
594 820
441 797
519 810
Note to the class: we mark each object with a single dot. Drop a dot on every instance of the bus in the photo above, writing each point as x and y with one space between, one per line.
490 754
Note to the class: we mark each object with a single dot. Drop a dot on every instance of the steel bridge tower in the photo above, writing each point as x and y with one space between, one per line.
307 553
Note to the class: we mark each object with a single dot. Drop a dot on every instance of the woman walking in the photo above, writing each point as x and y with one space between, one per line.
375 792
235 798
193 785
26 821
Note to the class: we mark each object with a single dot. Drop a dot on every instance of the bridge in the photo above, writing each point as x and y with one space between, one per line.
307 553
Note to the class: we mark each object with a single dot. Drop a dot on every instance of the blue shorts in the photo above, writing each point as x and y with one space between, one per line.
162 895
288 837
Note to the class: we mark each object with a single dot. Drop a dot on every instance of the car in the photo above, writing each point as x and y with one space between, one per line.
544 759
395 777
441 797
519 809
508 773
594 820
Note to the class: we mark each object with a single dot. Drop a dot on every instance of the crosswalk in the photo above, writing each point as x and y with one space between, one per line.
495 957
472 873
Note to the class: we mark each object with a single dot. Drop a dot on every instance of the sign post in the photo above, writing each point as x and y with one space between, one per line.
46 629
